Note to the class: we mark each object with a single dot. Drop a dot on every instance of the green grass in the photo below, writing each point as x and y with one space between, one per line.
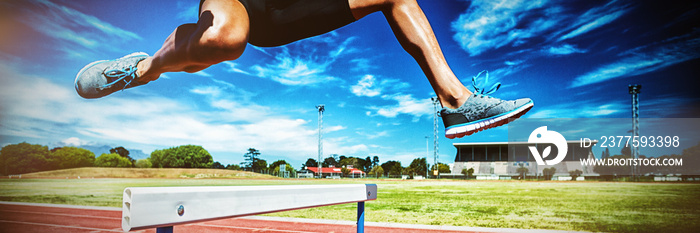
585 206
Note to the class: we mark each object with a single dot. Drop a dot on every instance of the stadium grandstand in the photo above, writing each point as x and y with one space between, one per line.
501 160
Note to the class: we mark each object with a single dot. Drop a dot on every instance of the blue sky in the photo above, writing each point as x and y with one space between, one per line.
573 58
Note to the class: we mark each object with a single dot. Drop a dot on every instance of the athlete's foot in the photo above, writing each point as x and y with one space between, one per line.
101 78
481 111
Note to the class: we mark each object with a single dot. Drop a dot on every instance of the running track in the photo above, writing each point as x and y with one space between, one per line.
25 217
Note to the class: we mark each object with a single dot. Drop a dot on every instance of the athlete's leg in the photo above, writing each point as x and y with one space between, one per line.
221 34
413 31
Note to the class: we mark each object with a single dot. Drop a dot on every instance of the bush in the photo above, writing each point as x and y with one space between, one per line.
143 163
188 156
24 158
112 160
72 157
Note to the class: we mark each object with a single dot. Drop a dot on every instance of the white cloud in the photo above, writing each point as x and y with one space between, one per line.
299 63
373 135
581 109
75 142
366 87
202 73
69 25
362 64
406 104
493 24
370 86
644 60
564 49
489 25
233 68
595 18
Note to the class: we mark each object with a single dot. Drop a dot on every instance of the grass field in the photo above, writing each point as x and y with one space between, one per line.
585 206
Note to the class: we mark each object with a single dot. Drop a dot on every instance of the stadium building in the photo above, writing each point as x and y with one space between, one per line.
501 160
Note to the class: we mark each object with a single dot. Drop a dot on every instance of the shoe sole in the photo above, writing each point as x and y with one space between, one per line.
491 122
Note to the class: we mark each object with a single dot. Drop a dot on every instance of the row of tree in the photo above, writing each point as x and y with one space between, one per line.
27 158
373 168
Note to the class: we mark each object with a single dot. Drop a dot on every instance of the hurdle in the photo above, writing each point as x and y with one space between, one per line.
164 207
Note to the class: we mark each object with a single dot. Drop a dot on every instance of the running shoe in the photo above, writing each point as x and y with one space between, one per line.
101 78
481 112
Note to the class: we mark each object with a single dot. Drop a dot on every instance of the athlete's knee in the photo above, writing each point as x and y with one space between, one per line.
223 44
221 39
393 4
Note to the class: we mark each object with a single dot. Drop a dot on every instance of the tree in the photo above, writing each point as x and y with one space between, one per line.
344 161
309 163
218 165
187 156
392 168
522 171
143 163
468 172
275 167
606 153
376 171
330 161
575 174
250 160
345 171
442 168
71 157
366 164
375 161
626 151
24 158
112 160
548 173
287 168
260 166
234 167
123 152
418 166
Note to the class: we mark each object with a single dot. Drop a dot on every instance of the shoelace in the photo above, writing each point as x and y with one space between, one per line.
479 92
127 75
493 88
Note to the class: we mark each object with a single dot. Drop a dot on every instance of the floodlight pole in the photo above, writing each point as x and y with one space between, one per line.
634 90
321 108
435 136
426 156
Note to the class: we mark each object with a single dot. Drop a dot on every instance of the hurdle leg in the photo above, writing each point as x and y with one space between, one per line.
361 217
164 229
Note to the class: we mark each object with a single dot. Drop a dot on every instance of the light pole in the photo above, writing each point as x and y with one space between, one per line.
435 135
426 157
321 108
634 90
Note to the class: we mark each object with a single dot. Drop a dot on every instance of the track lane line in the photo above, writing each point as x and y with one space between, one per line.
62 226
60 214
251 228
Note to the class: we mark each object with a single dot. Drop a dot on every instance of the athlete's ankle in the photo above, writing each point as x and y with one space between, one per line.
143 71
456 100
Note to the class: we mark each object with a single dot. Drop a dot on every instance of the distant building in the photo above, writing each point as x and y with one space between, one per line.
337 172
501 160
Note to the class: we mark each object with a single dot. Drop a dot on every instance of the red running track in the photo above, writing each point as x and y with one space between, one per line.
20 218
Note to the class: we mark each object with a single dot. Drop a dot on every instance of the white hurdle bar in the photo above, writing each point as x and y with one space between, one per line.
164 207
